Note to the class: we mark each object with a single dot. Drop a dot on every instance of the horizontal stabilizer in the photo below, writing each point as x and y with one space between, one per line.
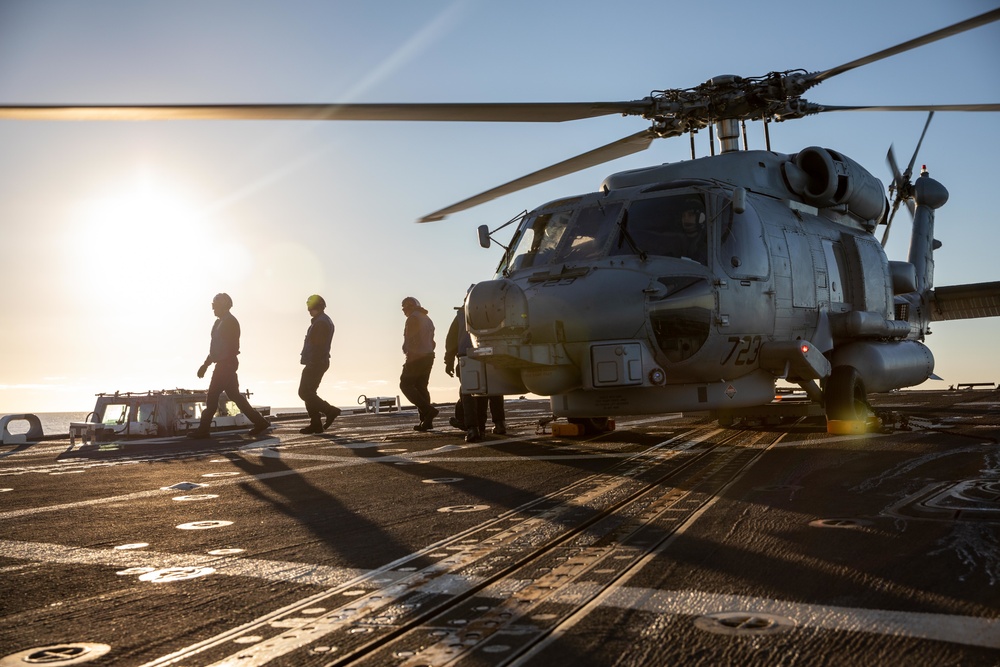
963 302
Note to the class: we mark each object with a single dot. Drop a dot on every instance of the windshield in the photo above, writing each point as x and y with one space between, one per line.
539 237
671 226
661 225
564 236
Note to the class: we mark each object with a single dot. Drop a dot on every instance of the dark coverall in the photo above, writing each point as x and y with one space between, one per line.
315 359
470 411
223 351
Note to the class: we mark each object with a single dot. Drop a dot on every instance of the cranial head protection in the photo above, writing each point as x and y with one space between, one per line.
316 302
692 204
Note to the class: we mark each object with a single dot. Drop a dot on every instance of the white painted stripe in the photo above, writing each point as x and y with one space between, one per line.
826 441
335 462
16 514
967 630
270 570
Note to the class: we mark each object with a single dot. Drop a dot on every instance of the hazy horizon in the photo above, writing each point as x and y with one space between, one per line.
118 234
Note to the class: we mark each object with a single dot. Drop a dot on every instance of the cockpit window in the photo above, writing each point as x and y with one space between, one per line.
665 226
538 239
564 236
589 232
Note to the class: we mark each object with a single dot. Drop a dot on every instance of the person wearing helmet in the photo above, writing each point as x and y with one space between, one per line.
418 346
223 351
315 360
693 242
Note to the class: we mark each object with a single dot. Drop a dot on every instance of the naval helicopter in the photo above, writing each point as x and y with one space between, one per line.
607 301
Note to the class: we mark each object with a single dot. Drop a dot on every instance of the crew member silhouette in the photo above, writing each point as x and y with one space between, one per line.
223 351
470 411
418 346
315 362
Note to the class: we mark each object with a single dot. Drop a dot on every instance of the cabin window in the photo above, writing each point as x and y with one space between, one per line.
665 226
742 250
147 412
190 410
680 320
115 413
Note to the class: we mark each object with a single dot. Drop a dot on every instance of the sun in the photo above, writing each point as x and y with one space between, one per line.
152 235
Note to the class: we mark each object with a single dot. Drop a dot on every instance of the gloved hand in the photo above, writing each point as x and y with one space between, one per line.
449 368
201 371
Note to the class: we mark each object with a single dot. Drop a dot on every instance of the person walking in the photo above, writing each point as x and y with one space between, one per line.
470 411
223 351
315 360
468 407
418 346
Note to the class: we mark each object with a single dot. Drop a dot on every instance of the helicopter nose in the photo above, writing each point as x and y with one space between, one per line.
494 305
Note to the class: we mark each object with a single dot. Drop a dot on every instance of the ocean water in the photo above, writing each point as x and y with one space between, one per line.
53 423
57 423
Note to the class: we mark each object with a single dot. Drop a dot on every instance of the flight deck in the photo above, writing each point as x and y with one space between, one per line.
669 540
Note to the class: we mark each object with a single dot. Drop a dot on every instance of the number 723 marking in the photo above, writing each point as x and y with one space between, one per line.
745 350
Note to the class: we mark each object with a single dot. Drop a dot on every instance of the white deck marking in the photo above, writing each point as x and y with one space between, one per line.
966 630
267 451
269 570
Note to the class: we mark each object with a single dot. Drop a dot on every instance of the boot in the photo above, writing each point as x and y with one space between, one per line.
330 416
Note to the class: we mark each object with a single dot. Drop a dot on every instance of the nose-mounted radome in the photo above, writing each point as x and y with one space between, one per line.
494 306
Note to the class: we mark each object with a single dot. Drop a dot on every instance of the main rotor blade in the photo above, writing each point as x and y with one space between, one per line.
528 112
913 107
955 29
635 143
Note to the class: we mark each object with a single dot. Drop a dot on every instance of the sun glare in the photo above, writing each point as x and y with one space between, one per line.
150 234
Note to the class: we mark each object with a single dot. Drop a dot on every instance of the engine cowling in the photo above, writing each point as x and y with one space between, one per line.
826 178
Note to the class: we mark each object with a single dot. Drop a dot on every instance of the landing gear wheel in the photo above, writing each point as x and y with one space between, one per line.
591 425
845 395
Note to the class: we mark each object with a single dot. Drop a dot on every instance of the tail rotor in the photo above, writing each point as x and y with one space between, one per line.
901 187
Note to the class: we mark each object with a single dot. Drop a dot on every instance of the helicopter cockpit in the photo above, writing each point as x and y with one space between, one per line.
636 269
647 224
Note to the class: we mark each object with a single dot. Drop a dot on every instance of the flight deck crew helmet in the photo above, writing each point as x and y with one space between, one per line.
316 302
223 300
410 301
694 204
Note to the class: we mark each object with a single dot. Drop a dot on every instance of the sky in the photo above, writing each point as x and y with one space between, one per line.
115 236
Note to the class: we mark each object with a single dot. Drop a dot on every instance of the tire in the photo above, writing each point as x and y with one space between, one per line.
845 396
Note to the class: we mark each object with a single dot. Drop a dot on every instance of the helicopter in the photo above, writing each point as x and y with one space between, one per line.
596 304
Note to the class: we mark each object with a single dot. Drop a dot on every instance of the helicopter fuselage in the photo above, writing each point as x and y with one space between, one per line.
696 286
